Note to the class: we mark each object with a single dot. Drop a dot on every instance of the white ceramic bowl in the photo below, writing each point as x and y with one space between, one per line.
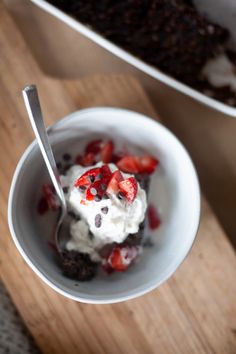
174 189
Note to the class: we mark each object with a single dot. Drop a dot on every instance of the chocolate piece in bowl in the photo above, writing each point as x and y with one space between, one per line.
78 265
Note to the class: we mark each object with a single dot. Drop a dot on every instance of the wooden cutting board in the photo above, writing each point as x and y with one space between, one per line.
194 312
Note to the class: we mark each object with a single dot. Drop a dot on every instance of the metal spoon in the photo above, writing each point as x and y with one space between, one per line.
32 104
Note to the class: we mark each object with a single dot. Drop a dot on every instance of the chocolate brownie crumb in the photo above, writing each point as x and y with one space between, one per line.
78 266
143 180
59 166
67 157
73 215
134 239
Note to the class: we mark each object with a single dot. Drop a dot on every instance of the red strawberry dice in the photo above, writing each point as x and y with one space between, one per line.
148 164
95 190
129 187
98 188
88 159
42 206
105 173
128 164
78 159
94 147
113 184
154 220
85 160
87 178
138 164
120 258
107 152
49 195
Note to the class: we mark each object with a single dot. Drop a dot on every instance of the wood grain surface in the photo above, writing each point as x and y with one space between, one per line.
194 312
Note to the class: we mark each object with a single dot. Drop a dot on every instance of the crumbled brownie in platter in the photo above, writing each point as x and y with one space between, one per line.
78 265
224 94
169 34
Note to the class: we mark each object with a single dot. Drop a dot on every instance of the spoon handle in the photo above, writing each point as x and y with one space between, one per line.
32 104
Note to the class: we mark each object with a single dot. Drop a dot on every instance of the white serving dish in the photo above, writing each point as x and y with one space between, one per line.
62 53
174 189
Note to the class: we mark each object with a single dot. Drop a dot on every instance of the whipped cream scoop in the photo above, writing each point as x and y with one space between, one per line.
102 222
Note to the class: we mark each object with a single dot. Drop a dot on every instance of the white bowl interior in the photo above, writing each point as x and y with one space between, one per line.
174 190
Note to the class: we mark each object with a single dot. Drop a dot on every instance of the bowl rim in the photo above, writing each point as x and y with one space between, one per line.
148 69
42 275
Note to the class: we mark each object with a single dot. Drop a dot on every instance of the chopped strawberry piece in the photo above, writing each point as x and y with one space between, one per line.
95 191
129 187
154 220
120 258
113 184
105 173
88 159
138 164
42 206
94 147
98 188
117 157
128 164
78 159
96 181
49 195
88 177
148 164
107 152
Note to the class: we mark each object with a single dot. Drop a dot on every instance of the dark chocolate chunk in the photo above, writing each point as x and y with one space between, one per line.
73 215
104 210
97 198
134 239
65 189
105 196
67 167
91 235
66 157
91 178
59 166
98 220
82 188
120 195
